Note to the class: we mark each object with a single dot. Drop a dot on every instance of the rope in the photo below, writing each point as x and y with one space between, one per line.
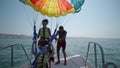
42 17
51 24
35 20
30 21
68 19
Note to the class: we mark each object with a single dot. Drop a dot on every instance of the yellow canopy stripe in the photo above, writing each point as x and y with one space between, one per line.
52 8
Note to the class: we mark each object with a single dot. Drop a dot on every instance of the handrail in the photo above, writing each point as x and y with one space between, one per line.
110 63
95 54
13 54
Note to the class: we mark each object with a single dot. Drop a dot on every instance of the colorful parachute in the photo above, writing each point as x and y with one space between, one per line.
55 8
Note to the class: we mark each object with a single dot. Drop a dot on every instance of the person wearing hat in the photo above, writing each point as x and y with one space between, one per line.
44 35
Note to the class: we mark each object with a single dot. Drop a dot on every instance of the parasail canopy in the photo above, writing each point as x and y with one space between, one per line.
55 8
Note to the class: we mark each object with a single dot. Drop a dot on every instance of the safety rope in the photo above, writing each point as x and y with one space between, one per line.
67 20
29 18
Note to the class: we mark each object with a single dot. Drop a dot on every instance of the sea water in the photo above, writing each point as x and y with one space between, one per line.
75 46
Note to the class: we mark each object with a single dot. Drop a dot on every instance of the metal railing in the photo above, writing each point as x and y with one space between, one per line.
12 53
95 55
110 63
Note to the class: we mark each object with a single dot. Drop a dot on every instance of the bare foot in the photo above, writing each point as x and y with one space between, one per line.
57 62
65 63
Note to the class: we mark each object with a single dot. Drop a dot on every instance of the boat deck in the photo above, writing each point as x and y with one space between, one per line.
76 61
73 62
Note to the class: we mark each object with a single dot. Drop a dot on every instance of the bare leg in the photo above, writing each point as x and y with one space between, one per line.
64 53
49 64
58 56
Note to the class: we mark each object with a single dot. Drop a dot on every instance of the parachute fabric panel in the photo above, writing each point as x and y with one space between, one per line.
51 8
30 4
77 4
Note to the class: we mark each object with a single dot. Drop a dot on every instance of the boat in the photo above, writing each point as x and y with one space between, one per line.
75 61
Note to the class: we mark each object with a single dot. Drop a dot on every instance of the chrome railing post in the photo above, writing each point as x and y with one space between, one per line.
110 63
95 55
102 55
87 54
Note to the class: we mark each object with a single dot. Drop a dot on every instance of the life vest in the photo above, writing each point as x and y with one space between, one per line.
42 61
44 33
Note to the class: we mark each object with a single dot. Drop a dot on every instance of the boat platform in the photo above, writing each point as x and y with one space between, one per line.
75 61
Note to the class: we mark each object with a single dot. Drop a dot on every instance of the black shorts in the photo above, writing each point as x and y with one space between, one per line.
43 43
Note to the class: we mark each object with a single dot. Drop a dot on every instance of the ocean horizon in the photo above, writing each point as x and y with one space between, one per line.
12 36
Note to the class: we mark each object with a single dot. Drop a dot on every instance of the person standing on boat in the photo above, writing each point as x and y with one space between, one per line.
44 34
61 42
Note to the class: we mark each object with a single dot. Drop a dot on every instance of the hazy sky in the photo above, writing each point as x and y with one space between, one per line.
97 19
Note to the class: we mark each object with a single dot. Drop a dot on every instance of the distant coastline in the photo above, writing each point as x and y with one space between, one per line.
13 36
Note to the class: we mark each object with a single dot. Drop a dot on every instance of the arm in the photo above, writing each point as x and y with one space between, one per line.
38 33
56 35
49 31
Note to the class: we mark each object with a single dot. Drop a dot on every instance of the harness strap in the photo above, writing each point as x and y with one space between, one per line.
44 33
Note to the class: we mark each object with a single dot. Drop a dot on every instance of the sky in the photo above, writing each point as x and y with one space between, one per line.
97 19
